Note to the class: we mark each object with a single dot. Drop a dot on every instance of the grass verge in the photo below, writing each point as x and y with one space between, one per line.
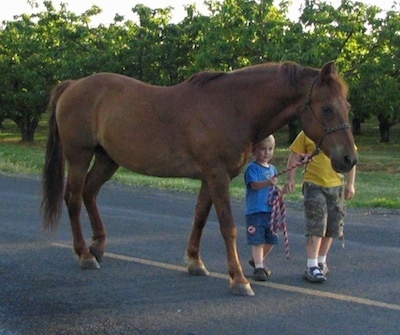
377 182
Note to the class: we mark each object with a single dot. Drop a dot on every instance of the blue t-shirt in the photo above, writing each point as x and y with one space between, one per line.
257 200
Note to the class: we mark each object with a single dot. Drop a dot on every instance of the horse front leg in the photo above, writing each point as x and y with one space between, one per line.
219 192
196 266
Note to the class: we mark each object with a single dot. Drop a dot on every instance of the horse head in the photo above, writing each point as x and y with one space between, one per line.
325 118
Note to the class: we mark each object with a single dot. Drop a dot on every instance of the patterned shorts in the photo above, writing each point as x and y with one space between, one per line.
324 209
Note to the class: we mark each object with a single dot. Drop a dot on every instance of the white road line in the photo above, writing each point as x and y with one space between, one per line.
283 287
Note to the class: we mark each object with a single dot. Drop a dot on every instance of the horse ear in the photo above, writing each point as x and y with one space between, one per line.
328 69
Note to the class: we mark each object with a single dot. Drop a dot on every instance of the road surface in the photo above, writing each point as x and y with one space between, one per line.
143 287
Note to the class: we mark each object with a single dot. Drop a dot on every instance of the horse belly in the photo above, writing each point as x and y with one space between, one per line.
150 150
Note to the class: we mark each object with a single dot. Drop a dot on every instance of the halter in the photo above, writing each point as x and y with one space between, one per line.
327 130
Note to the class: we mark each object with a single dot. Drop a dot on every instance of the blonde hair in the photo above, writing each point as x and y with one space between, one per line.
268 139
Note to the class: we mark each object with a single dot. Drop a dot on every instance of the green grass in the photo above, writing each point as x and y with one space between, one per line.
19 159
377 182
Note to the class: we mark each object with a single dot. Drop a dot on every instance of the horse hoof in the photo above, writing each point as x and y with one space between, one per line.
242 289
90 264
199 270
96 253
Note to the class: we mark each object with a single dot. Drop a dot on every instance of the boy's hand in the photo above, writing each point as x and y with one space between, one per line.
349 192
289 187
273 181
305 158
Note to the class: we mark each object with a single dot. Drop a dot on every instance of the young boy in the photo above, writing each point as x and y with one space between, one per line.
259 179
325 192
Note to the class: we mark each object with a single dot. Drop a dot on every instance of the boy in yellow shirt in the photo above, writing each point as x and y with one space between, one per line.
324 194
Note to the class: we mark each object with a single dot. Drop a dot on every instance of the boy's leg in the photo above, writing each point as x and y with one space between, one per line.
316 221
267 250
258 255
335 223
257 227
313 245
326 244
313 272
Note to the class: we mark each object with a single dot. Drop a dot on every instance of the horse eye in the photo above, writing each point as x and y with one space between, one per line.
327 110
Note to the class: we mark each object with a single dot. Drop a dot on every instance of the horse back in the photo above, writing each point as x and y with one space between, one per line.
162 131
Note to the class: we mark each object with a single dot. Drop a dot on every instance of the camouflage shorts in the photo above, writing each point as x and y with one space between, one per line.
324 209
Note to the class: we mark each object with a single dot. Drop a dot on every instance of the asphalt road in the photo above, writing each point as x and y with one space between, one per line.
143 287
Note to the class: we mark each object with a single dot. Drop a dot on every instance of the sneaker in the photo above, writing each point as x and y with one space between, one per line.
314 275
259 275
267 271
324 268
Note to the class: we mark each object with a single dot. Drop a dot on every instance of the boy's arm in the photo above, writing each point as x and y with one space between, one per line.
258 185
293 160
350 189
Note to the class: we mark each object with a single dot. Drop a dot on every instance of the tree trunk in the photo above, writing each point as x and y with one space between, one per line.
293 130
28 135
384 128
356 125
27 127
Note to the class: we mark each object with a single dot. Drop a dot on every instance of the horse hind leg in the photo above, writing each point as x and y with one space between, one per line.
102 170
78 165
196 266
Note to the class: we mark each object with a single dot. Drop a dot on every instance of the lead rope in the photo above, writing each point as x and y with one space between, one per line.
275 199
278 216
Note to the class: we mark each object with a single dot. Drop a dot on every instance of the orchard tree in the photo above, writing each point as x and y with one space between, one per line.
25 75
147 48
184 40
365 46
241 33
381 74
41 49
75 49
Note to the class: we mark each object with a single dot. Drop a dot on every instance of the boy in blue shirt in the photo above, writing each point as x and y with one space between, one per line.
259 179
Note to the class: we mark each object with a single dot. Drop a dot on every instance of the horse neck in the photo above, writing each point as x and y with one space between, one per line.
268 100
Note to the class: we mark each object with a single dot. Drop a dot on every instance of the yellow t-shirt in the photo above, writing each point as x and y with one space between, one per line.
319 171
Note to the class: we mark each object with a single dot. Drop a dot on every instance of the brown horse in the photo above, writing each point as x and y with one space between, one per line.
203 128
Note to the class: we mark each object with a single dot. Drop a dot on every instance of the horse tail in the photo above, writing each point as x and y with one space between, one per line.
54 165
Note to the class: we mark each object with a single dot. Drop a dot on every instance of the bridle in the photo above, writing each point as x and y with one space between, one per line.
327 130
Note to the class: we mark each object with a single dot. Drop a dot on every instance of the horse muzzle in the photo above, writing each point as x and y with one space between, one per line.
344 162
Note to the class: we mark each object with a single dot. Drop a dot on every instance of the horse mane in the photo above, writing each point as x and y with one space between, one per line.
296 72
203 78
292 70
